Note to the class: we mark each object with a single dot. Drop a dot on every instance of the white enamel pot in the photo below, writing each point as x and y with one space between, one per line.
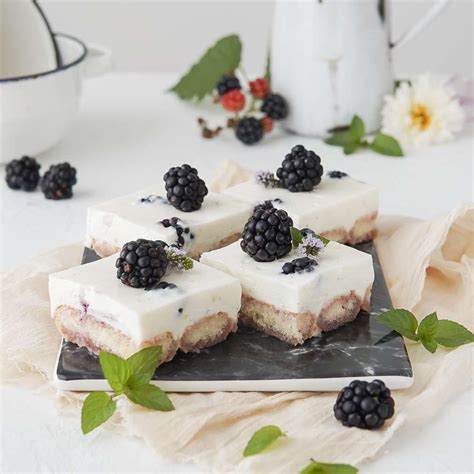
37 110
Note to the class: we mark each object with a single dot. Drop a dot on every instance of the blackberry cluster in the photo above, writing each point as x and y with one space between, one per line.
301 170
185 190
266 236
364 405
23 174
299 265
337 174
227 83
180 230
142 263
275 107
58 181
249 130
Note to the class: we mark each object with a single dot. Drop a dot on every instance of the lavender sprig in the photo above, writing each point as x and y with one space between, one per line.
267 178
178 259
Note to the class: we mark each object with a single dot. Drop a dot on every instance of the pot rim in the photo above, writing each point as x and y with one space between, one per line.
63 67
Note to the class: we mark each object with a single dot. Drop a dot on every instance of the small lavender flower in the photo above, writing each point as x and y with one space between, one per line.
267 178
311 246
178 259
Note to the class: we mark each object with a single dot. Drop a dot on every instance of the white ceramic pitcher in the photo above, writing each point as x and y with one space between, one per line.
331 59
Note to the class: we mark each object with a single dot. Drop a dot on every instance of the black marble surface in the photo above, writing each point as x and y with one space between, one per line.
363 347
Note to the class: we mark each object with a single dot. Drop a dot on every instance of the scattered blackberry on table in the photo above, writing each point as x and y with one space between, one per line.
23 174
58 181
299 265
185 190
142 263
301 170
337 174
274 105
364 405
266 236
249 130
228 82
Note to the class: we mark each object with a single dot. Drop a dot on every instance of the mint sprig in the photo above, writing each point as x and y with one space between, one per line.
261 439
178 259
315 467
431 331
125 376
304 245
351 138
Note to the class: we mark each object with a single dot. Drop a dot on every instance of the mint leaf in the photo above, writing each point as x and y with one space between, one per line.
427 331
342 138
201 79
142 366
296 236
261 439
386 145
98 407
149 396
350 148
115 369
357 128
452 334
325 468
402 321
323 239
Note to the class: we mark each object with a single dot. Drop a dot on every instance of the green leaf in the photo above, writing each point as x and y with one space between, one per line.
386 145
296 236
357 128
452 334
427 332
97 408
201 79
142 366
116 371
261 439
325 468
342 138
350 148
324 240
149 396
402 321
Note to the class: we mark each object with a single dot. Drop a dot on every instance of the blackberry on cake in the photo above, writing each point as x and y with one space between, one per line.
337 174
274 105
266 236
227 83
185 190
299 265
142 263
58 181
249 130
23 174
364 404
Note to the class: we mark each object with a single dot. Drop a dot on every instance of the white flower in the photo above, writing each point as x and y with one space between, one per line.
311 246
423 113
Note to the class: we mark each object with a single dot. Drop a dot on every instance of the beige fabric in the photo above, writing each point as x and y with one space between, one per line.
428 266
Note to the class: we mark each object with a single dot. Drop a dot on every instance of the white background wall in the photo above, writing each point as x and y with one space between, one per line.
168 35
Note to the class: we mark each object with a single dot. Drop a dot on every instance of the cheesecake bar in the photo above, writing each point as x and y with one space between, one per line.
189 311
339 208
298 305
150 215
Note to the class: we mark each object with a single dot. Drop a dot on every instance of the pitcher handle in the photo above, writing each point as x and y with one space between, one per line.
424 21
98 60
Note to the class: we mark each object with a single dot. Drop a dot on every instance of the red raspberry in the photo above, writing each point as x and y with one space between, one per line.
259 88
234 101
267 123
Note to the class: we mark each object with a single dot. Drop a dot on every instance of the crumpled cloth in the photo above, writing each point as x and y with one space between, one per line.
428 266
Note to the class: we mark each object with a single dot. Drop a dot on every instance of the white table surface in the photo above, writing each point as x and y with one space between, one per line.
128 133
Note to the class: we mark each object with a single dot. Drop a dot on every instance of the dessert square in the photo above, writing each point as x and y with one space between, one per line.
149 215
193 309
297 306
339 208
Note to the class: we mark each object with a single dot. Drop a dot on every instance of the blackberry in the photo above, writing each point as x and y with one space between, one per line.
185 190
301 170
142 263
249 130
364 405
337 174
23 174
228 82
299 265
266 236
58 181
182 231
274 105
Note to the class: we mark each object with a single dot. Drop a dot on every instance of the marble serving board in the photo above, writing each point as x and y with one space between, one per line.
252 361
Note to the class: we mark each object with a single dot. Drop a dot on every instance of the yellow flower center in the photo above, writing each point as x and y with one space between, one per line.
420 116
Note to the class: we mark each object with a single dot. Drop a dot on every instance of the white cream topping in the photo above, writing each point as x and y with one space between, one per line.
127 218
140 314
333 204
340 270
